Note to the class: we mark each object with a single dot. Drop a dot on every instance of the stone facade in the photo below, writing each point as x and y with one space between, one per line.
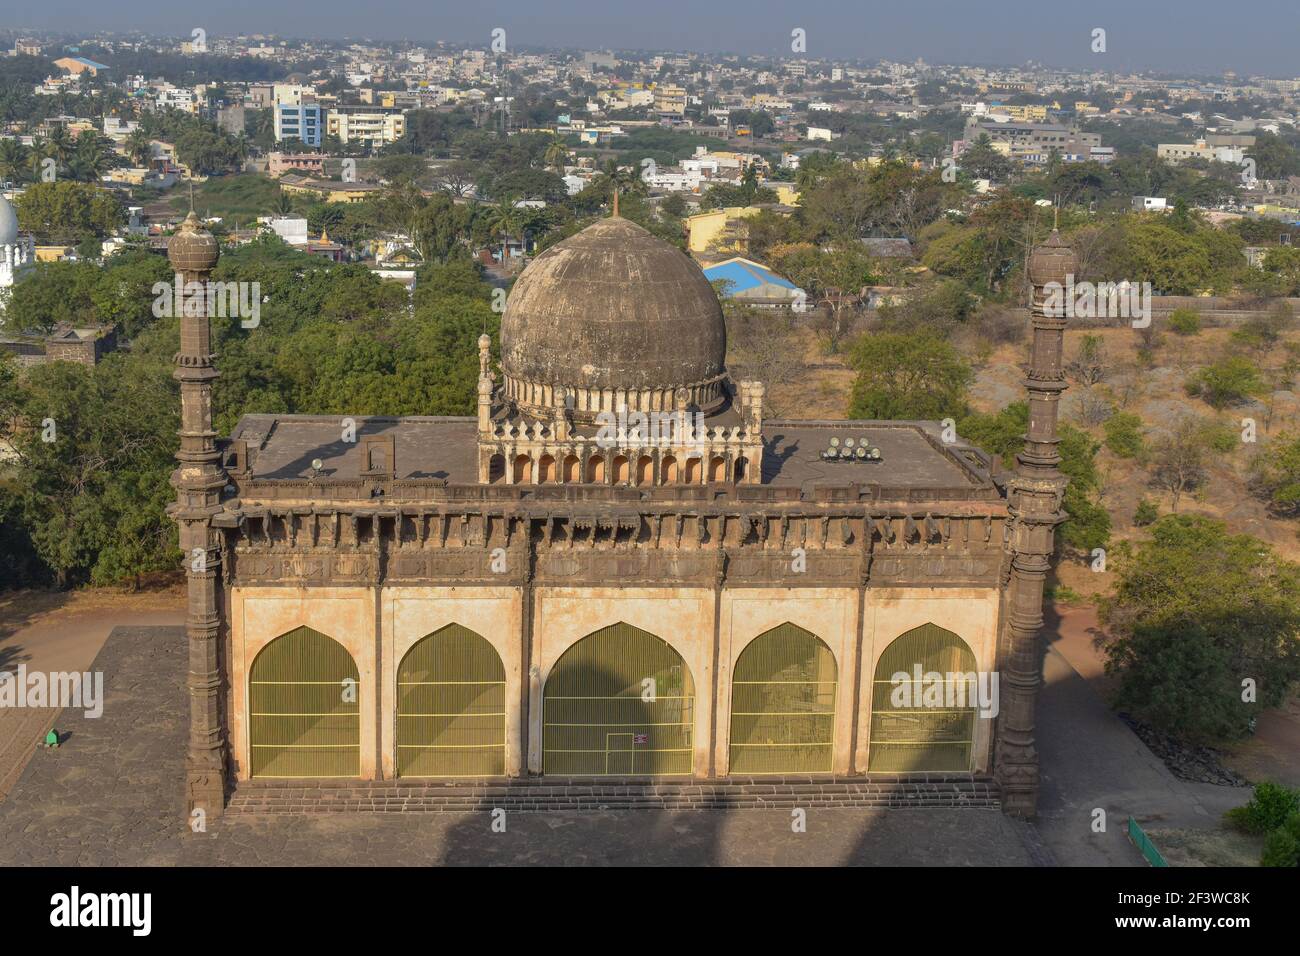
378 532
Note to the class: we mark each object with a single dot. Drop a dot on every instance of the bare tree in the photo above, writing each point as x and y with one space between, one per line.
1178 460
765 346
1089 363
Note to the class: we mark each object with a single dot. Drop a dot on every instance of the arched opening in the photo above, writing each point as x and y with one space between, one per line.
620 470
496 469
304 712
451 707
668 471
595 470
783 704
572 470
523 470
742 466
925 724
546 470
621 701
645 469
694 468
717 469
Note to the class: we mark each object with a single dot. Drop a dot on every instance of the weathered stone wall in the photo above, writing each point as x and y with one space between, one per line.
708 626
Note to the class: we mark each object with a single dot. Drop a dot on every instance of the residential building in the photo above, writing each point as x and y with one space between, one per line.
369 125
302 122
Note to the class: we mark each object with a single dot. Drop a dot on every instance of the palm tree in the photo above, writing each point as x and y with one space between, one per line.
557 151
621 180
505 219
139 146
59 144
36 157
90 157
13 160
283 205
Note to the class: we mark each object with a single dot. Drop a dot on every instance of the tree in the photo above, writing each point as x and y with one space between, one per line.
13 160
834 278
67 211
1089 363
1275 475
93 497
907 376
557 152
1178 460
139 146
505 219
1195 613
91 157
1124 435
1003 435
1229 381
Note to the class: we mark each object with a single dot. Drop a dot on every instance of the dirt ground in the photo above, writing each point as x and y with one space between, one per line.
1219 847
1156 394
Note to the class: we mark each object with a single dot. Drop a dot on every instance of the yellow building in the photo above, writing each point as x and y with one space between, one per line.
717 230
328 190
53 253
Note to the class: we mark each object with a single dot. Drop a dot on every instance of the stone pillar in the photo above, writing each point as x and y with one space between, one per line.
484 388
199 480
1034 500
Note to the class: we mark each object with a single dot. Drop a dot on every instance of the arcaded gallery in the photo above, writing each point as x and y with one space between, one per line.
617 568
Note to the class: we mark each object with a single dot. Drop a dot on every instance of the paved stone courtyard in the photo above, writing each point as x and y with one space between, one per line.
111 795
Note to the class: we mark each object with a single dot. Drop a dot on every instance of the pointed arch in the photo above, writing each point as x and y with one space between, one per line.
451 707
922 729
783 704
621 701
304 708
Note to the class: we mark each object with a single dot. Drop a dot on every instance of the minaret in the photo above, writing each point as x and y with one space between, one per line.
199 480
1034 500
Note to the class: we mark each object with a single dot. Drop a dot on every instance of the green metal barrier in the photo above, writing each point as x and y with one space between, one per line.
1144 844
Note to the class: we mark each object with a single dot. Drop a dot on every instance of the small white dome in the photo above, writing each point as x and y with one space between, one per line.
8 223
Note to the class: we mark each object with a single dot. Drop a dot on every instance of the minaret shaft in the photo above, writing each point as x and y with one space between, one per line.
199 480
1034 497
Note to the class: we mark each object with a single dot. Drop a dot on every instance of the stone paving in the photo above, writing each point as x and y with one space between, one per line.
112 795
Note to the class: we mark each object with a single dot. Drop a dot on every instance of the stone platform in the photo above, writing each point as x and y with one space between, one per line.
543 794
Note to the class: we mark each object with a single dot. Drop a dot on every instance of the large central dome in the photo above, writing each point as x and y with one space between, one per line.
613 316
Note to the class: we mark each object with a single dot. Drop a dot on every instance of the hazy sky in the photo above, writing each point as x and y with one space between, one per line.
1191 36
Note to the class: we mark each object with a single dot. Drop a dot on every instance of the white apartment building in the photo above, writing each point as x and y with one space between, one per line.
373 127
1177 152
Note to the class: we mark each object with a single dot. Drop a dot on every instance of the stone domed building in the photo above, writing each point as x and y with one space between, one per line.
617 569
17 253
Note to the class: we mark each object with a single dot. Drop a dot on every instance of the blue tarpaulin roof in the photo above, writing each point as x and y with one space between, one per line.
743 274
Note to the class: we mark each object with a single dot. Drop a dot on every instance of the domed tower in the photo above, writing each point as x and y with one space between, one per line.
1034 500
617 318
614 333
16 253
198 480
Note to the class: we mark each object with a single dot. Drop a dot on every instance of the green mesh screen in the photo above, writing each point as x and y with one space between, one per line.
451 707
917 738
304 708
783 704
595 718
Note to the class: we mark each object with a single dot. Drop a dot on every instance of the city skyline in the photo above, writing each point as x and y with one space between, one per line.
1194 38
